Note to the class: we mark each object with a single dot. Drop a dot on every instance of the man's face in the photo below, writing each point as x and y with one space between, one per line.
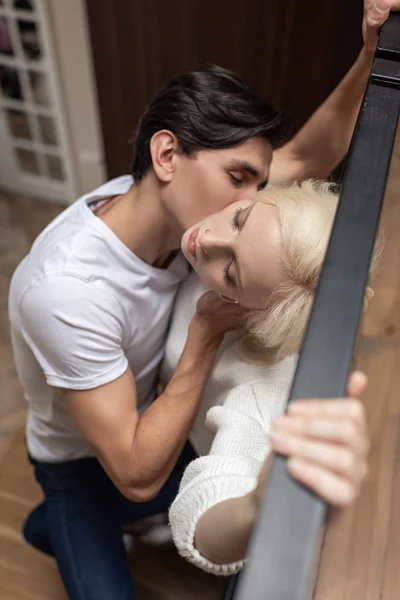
214 179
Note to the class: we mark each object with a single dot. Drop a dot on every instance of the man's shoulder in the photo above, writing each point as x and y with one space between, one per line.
72 246
118 185
66 306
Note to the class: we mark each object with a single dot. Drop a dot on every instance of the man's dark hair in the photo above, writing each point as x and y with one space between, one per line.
207 108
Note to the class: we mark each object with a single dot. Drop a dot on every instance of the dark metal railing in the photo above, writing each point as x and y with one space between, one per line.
285 545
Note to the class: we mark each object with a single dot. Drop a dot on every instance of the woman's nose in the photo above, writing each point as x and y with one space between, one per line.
213 243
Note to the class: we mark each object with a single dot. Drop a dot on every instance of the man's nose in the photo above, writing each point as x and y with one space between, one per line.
247 193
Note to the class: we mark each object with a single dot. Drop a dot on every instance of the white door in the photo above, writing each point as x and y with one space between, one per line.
35 154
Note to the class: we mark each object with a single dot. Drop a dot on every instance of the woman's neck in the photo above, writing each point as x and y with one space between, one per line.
140 221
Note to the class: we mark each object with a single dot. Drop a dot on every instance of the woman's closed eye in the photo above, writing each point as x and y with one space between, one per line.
236 225
227 277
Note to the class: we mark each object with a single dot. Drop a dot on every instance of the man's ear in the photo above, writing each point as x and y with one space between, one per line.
164 151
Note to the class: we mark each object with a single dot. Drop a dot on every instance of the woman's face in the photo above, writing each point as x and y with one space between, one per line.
237 252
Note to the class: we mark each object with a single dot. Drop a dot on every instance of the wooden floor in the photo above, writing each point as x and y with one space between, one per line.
361 552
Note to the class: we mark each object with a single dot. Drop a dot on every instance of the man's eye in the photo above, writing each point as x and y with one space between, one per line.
234 179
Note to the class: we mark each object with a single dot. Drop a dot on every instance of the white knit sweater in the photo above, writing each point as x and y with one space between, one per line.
231 429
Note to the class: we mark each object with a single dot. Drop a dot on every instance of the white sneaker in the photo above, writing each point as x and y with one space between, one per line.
154 530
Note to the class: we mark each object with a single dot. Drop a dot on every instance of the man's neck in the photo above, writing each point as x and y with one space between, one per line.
140 221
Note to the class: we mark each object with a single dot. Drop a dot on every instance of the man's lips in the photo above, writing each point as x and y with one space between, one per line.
191 245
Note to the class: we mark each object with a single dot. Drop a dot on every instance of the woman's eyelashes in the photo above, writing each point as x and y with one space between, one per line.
236 225
235 218
227 278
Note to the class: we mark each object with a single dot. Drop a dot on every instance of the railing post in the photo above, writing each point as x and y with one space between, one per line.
285 544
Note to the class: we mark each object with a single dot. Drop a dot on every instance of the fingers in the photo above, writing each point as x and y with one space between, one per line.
340 433
332 488
374 17
348 408
327 445
378 13
341 460
335 421
356 384
217 316
211 302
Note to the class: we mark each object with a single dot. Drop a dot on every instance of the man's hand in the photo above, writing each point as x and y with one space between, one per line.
376 12
215 317
327 445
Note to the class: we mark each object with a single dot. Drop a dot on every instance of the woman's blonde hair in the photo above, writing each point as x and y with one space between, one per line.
306 212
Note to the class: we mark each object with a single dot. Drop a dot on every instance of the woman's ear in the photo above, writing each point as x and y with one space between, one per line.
164 149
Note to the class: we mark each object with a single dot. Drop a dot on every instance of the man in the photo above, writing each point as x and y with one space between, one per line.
90 305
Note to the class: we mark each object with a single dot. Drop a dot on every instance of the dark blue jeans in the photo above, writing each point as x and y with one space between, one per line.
81 523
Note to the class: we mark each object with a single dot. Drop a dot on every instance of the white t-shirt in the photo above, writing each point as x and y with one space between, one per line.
231 431
83 308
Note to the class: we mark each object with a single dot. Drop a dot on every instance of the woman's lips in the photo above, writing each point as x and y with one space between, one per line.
192 242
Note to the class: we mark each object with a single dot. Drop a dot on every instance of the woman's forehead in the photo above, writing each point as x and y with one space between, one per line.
259 249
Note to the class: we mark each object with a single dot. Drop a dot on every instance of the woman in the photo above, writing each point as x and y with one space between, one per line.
218 501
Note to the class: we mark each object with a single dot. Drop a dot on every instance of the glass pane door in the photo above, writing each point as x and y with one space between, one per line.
36 157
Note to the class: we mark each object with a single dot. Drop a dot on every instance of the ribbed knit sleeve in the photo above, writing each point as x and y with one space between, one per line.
241 427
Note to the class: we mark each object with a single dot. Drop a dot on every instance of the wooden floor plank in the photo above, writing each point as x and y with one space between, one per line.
391 575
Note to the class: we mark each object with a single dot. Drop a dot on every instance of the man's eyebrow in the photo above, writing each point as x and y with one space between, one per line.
245 166
238 275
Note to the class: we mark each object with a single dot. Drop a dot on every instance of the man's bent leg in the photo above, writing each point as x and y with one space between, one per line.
36 530
85 530
84 514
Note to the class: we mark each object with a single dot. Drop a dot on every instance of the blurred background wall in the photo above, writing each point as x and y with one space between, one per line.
293 52
75 75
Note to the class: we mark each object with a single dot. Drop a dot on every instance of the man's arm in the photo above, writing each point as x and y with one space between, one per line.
324 140
139 451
